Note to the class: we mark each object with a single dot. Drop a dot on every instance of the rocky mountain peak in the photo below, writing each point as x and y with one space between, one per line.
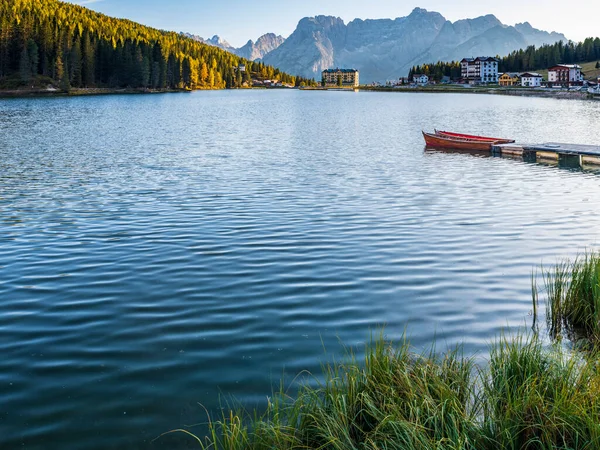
318 22
385 49
524 26
417 11
263 45
218 42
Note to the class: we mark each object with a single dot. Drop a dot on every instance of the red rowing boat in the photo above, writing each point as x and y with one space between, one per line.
473 137
462 143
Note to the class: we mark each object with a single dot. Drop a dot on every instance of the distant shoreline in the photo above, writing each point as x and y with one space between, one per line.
82 92
515 92
78 92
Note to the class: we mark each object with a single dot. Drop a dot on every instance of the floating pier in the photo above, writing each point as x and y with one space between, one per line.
567 155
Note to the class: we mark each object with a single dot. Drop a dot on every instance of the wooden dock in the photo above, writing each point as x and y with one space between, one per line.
568 155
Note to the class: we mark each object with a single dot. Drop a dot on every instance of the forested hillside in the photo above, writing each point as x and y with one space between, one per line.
529 59
76 47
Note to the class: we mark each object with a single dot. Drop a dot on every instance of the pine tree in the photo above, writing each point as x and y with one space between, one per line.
76 64
145 72
89 58
59 68
155 76
25 66
238 78
61 74
95 50
137 68
211 78
229 79
194 74
34 58
204 74
186 70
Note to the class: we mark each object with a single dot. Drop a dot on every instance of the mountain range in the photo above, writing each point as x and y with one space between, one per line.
384 49
251 50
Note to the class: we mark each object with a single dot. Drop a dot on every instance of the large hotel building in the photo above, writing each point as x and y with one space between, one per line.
349 77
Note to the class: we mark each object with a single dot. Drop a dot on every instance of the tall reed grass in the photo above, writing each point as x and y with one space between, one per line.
527 397
573 299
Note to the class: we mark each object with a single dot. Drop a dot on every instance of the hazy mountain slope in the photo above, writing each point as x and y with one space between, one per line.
538 37
495 41
263 45
311 47
385 48
251 50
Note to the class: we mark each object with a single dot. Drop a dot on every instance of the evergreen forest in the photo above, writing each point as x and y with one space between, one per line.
70 46
529 59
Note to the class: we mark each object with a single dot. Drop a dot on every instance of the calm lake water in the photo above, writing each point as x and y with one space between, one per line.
159 251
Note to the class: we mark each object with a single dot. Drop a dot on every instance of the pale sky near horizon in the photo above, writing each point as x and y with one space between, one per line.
239 20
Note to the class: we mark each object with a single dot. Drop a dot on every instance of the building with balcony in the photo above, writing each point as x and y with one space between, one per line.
509 79
340 77
565 75
483 69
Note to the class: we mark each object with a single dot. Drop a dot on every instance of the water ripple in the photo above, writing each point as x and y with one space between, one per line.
151 261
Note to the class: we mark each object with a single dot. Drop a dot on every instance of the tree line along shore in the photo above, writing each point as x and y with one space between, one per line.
530 59
51 43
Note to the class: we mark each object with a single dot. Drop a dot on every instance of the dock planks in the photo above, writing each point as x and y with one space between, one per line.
574 155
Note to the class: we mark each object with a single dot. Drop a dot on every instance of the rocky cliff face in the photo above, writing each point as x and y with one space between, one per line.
263 45
215 41
386 49
538 37
252 50
311 47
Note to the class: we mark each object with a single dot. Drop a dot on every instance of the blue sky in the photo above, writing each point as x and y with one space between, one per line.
240 20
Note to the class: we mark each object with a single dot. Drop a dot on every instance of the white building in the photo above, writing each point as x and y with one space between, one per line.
420 79
483 69
531 79
565 75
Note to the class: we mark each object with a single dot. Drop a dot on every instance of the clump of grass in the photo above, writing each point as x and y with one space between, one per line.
528 397
398 399
539 399
573 299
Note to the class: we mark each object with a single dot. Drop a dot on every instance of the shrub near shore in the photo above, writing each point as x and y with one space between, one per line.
527 397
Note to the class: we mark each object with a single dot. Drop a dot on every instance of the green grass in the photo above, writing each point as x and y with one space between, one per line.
526 397
537 399
591 73
573 299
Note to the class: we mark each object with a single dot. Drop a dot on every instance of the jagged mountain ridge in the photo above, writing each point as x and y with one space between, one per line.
386 48
251 50
263 45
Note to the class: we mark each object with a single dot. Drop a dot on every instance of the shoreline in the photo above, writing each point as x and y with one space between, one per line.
80 92
515 92
525 392
83 92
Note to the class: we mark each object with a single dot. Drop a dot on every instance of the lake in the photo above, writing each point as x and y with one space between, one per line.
158 252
